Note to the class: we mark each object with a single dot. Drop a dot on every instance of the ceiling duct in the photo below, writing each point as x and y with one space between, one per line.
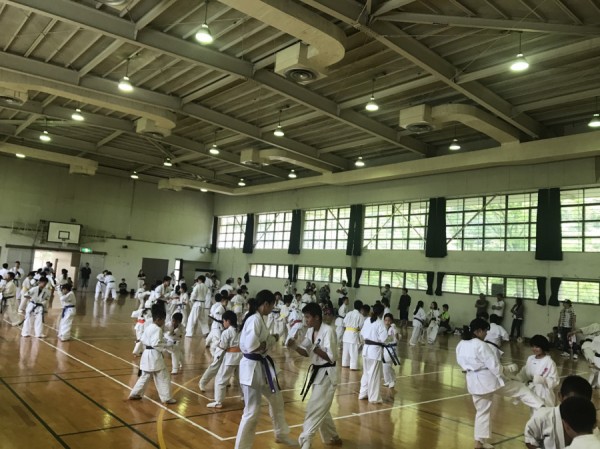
425 118
321 42
77 165
255 158
13 97
177 184
148 127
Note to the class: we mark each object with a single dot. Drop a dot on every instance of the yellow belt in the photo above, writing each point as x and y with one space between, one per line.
352 329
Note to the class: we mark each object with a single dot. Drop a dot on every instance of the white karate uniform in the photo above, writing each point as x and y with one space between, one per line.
318 415
27 284
284 314
297 329
197 299
545 429
434 325
353 323
339 322
34 314
255 386
111 287
496 335
590 441
178 304
230 344
543 377
153 365
216 327
173 339
143 320
418 323
389 374
237 305
278 323
67 302
484 378
9 297
370 382
100 287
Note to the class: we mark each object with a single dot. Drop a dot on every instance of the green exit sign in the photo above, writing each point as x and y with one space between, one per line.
86 250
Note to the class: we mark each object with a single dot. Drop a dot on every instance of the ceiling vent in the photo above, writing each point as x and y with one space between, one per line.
293 64
148 127
417 119
251 157
13 97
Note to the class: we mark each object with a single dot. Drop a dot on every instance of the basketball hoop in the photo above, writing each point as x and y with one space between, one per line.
63 241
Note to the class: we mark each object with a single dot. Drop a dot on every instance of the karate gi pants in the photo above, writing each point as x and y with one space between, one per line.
138 349
64 327
317 416
99 293
416 335
176 351
212 339
193 319
162 381
224 374
432 332
11 312
389 374
370 382
34 321
110 289
210 373
252 399
350 355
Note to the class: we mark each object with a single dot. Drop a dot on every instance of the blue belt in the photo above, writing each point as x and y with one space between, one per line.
64 311
266 361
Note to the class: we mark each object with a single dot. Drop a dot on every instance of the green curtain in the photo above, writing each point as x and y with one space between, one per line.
548 240
249 235
541 287
215 234
435 241
295 232
354 245
554 289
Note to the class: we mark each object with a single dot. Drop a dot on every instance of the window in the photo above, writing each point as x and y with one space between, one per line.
475 284
415 281
483 284
585 292
399 226
521 288
580 216
231 231
457 283
273 230
177 270
492 223
322 274
370 277
326 228
269 271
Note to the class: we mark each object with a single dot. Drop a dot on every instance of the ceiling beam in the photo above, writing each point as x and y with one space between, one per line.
491 24
405 45
79 14
390 5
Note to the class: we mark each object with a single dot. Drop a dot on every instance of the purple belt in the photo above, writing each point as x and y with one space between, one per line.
266 361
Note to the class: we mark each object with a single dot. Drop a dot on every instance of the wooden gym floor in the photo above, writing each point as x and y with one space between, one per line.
74 394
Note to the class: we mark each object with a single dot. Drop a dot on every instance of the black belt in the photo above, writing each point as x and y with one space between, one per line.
266 361
64 310
149 347
587 339
313 370
214 319
596 354
493 344
388 348
420 320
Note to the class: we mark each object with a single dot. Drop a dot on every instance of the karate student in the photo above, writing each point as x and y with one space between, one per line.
321 346
590 346
485 378
173 336
197 299
353 323
216 317
419 319
433 318
496 334
258 375
152 363
545 427
229 343
390 358
34 314
67 301
279 324
26 285
296 327
339 320
579 420
540 371
100 285
143 319
374 335
10 305
343 290
237 303
110 287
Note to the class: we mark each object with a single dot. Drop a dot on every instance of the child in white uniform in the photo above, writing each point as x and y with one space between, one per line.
152 363
67 301
230 345
390 357
26 285
496 335
433 318
216 318
9 299
173 336
296 326
321 346
237 304
485 378
143 319
341 314
100 285
258 375
34 313
353 323
374 335
579 420
540 371
419 320
197 298
110 287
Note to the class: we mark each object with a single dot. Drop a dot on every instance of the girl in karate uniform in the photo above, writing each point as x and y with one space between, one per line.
433 317
258 375
419 318
485 377
540 371
390 357
67 301
374 335
341 314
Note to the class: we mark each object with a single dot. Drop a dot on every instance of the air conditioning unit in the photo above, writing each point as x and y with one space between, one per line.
417 119
251 157
168 184
82 170
13 97
293 63
148 127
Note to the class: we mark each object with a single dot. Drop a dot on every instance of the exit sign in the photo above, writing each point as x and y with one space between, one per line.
86 250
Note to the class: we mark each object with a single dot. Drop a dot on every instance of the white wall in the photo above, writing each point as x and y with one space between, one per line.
114 212
495 180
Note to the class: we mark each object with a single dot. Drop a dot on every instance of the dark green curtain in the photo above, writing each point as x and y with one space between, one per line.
430 276
354 245
349 276
541 286
548 240
554 289
215 234
358 275
435 241
249 235
439 283
293 273
295 232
